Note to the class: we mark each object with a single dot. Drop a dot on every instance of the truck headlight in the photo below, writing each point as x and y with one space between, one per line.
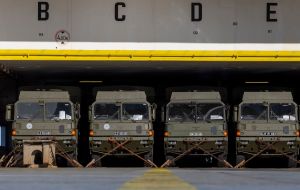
73 132
91 133
150 133
14 132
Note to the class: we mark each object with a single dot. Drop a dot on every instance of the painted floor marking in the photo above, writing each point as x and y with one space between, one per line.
157 179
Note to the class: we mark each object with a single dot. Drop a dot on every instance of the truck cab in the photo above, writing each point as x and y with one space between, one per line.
267 126
118 116
44 115
196 118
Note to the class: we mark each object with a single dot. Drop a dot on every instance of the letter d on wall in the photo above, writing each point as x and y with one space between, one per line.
196 12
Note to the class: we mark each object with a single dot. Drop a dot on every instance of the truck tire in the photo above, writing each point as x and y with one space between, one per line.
60 161
98 163
220 162
292 163
172 164
149 156
72 156
239 159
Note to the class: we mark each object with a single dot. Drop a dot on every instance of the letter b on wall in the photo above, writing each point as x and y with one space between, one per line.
43 13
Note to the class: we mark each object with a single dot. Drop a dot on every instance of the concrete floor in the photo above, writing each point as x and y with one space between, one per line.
145 178
254 179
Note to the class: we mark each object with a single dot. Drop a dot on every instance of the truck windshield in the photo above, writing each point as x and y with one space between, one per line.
186 112
210 111
106 111
182 112
29 110
135 111
282 112
255 111
58 110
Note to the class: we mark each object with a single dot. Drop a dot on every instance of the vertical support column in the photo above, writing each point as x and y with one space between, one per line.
159 126
83 126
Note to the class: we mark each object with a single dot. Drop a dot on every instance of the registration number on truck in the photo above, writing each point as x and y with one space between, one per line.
120 133
268 134
195 134
43 133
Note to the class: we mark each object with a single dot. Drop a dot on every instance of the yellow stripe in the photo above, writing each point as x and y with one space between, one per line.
148 55
158 179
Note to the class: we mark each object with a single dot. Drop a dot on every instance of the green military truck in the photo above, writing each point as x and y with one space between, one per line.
267 126
44 117
196 126
121 125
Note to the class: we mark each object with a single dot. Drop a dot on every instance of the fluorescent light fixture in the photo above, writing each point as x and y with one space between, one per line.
90 81
257 82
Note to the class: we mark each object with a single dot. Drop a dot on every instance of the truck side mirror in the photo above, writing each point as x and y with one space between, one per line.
163 114
153 109
77 110
235 114
298 111
90 113
9 112
227 112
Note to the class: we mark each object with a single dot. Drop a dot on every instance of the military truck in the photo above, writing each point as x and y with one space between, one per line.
267 126
196 126
44 117
121 125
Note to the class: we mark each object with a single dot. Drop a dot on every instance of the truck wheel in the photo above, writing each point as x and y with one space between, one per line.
19 161
172 164
149 156
298 157
61 162
220 163
72 156
99 162
292 163
239 159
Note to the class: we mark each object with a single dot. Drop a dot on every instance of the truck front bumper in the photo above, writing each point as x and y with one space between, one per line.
66 144
269 147
204 146
138 145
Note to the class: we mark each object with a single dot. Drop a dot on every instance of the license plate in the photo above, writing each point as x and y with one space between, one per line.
43 133
120 133
268 134
195 134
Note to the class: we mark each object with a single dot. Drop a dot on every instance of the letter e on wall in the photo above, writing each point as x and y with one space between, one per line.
271 12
